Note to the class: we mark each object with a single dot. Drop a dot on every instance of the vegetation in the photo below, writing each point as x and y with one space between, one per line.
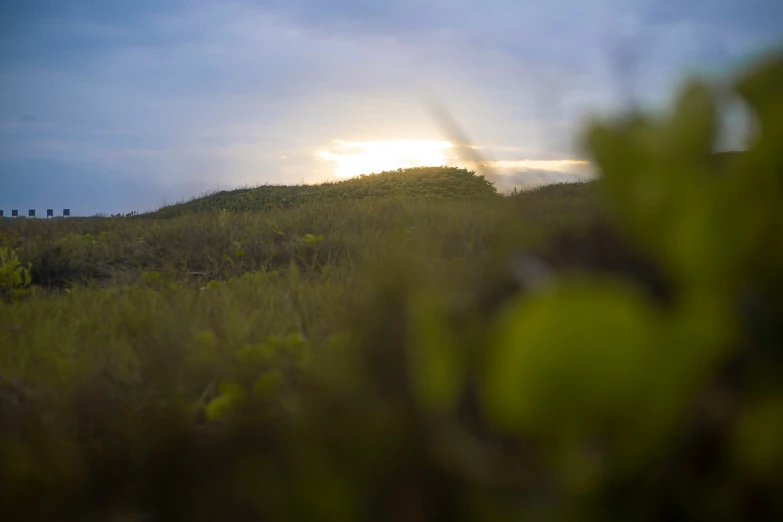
417 184
217 244
579 352
14 278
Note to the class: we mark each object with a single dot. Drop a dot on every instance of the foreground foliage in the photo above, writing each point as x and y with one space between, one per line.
415 361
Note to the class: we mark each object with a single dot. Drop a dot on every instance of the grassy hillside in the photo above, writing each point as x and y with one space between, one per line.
116 305
417 184
199 240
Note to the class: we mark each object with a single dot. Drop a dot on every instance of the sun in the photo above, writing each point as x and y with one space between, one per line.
352 158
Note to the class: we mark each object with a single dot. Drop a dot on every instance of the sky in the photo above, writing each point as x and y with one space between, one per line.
111 106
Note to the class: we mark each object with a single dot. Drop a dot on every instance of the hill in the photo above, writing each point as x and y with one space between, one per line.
268 224
418 183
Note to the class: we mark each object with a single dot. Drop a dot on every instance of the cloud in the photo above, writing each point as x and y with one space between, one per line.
566 165
350 159
184 94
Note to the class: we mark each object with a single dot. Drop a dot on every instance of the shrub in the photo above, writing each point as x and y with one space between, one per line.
14 277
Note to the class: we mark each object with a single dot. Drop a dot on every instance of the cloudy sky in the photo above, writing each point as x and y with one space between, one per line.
109 105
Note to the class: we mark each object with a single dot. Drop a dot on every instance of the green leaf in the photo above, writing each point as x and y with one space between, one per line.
231 395
565 359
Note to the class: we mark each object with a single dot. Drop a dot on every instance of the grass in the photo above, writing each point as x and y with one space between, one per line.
413 184
200 240
412 345
128 312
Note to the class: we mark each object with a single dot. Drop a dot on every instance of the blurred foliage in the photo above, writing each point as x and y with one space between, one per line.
607 351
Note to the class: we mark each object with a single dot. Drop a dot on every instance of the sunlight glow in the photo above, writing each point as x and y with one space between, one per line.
352 158
565 165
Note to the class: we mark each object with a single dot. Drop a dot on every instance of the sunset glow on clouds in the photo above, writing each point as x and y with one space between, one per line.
349 159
